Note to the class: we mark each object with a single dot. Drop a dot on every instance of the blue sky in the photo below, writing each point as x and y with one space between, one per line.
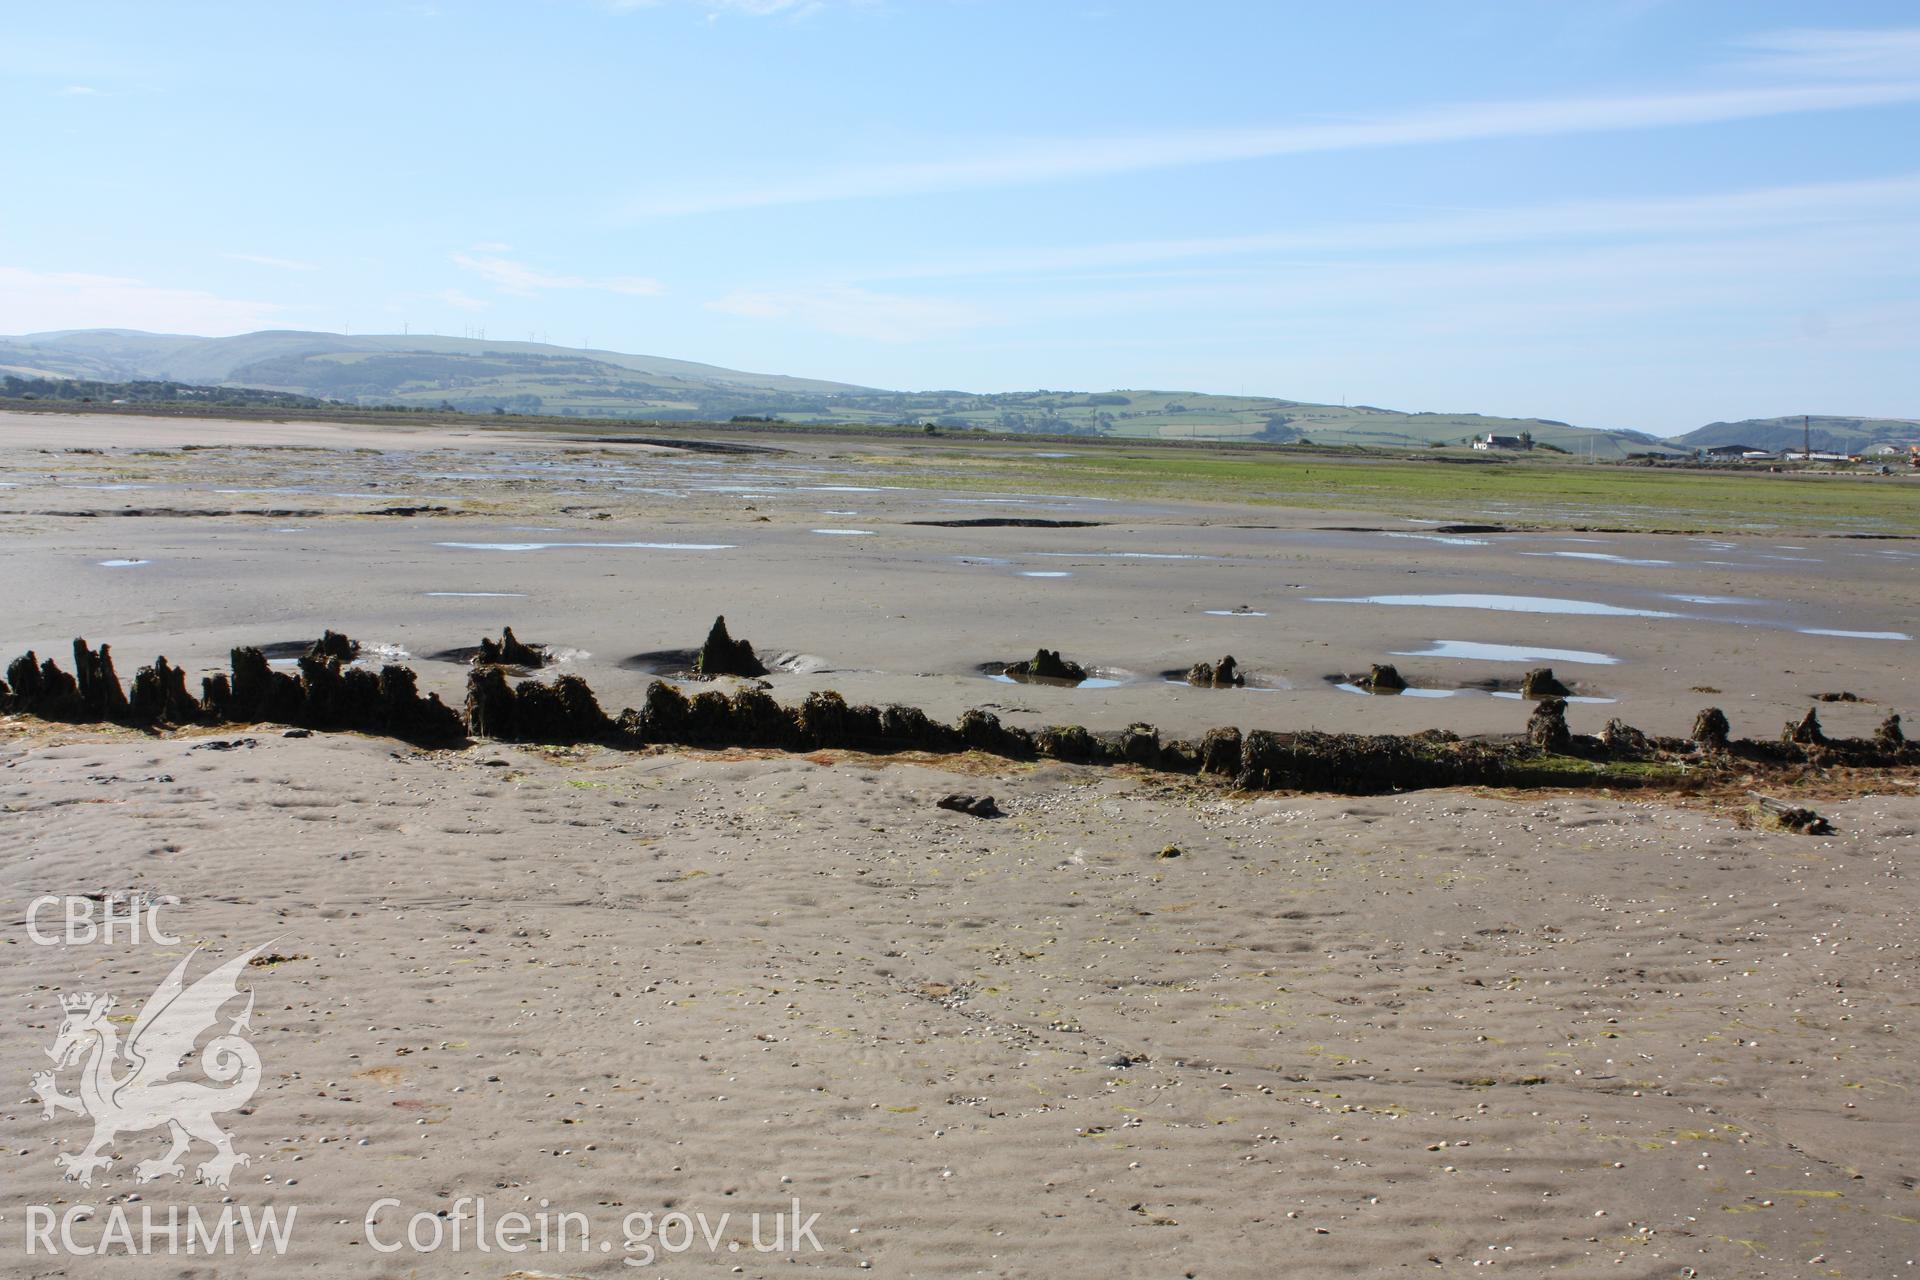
1643 214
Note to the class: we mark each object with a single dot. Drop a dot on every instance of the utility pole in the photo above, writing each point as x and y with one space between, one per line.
1806 425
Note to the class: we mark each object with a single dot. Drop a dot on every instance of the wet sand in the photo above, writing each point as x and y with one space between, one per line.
1583 1035
609 552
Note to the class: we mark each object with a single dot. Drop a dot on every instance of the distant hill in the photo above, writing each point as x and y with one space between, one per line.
419 370
479 375
1849 435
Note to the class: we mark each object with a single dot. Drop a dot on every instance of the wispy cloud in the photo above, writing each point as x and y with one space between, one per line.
1520 273
517 277
37 300
464 301
78 91
1877 54
1896 199
268 260
854 312
1016 162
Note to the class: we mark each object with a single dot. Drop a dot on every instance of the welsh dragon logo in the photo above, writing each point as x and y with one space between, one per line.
131 1088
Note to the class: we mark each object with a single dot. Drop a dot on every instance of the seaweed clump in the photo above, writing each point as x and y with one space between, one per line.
1807 732
1224 674
328 694
332 644
1047 664
1710 730
562 712
508 651
1383 677
1547 726
722 655
1542 683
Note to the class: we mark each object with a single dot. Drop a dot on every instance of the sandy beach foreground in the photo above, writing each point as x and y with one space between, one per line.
1139 1025
1408 1032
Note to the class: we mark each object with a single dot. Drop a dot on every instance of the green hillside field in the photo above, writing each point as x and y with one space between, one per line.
474 375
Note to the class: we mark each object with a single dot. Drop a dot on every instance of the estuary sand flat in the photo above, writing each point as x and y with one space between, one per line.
1135 1027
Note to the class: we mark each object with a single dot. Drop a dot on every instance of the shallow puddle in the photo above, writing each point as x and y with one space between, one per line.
1688 599
479 595
553 654
1126 555
846 533
1347 686
1448 539
1091 682
1606 556
1234 613
1045 573
662 662
1502 604
545 546
122 564
1408 692
1096 677
1472 649
1251 682
287 653
1564 697
1854 635
677 664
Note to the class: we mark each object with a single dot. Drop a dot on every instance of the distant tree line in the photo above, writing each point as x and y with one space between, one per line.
146 392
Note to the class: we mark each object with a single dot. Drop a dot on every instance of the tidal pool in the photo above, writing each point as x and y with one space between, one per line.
1472 649
544 546
1606 556
1408 692
1855 635
1091 682
1564 697
1126 555
1449 539
1502 604
1096 677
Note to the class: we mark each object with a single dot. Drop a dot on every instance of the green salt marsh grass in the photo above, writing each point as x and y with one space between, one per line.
1545 492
